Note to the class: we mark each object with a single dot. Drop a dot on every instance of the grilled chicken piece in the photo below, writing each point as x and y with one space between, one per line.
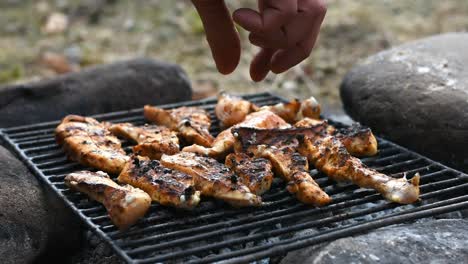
296 110
124 204
329 155
165 186
192 123
357 139
255 173
280 148
88 142
212 178
224 142
232 110
153 141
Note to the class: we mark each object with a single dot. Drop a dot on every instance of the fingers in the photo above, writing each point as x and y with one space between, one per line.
274 14
288 58
277 13
297 30
221 34
295 41
248 19
260 65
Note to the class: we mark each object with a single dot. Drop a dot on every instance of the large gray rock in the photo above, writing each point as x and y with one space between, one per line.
95 250
417 95
32 223
440 241
119 86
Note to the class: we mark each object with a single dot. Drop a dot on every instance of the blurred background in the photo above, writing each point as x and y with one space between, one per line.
41 39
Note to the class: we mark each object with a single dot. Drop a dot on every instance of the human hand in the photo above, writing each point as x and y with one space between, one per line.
286 31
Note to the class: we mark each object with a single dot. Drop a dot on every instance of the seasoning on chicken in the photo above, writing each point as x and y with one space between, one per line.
357 139
255 173
88 142
231 110
153 141
212 178
165 186
329 155
296 110
191 123
224 142
125 204
280 148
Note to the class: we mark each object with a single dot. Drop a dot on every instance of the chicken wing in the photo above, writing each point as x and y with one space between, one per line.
279 146
124 204
192 123
296 110
153 141
224 142
212 178
357 139
231 110
165 186
88 142
329 155
255 173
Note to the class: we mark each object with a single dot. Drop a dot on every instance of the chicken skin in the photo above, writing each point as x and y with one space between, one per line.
88 142
255 173
280 148
153 141
231 110
212 178
358 140
165 186
224 142
191 123
296 110
329 155
125 204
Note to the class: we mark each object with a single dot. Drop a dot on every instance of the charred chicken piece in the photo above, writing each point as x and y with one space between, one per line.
88 142
296 110
329 155
232 110
212 178
165 186
255 173
191 123
153 141
125 204
357 139
224 142
280 148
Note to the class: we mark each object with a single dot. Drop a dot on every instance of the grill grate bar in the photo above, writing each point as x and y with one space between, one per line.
286 246
249 234
286 199
272 220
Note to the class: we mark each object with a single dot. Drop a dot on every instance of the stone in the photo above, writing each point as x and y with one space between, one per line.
119 86
33 223
94 250
437 241
416 94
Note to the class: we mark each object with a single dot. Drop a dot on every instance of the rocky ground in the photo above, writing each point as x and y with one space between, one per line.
43 38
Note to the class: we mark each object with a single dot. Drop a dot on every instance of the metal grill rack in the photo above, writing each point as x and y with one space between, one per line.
217 232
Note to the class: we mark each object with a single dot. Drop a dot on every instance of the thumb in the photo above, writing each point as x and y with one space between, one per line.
221 34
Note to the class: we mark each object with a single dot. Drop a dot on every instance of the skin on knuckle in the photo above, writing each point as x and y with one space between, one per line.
316 7
304 51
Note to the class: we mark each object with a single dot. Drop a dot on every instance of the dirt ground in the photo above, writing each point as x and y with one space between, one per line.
104 31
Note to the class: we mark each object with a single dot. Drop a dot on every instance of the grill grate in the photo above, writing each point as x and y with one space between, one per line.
216 232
